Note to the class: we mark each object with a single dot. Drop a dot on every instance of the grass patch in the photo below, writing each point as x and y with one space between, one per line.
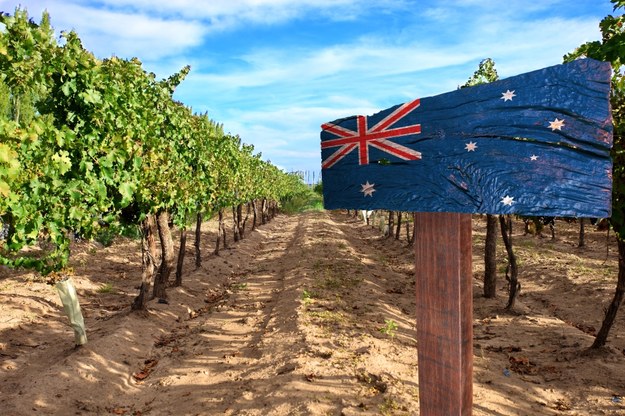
332 283
526 243
308 296
333 277
106 288
390 407
604 272
239 286
329 317
310 201
340 282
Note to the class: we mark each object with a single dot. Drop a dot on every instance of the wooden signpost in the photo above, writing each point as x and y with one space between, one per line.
534 144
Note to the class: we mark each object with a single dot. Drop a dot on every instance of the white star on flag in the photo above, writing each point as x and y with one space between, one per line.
507 96
507 200
367 189
533 157
556 124
471 146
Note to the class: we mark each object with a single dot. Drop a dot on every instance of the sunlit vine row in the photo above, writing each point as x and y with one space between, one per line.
87 143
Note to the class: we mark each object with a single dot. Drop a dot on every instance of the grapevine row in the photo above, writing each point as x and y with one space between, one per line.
87 143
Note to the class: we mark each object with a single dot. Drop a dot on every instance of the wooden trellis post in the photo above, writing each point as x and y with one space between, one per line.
534 144
444 312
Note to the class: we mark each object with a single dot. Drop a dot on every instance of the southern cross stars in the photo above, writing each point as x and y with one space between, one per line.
471 146
556 124
367 189
507 200
507 96
533 157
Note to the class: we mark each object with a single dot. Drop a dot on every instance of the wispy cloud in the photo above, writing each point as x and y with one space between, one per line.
225 14
122 32
287 136
369 74
373 66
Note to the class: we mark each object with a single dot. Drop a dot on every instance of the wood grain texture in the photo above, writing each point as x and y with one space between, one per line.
533 144
444 313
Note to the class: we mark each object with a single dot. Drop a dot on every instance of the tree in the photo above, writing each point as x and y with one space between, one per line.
611 48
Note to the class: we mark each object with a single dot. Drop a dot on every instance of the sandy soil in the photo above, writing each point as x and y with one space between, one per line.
298 319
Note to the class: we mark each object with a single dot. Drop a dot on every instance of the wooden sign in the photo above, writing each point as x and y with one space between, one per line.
534 144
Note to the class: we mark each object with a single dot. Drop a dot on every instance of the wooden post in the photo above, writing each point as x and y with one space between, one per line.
444 313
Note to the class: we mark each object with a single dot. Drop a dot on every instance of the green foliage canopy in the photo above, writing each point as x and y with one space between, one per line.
83 141
611 48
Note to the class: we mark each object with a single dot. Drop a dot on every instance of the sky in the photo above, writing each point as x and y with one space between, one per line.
272 71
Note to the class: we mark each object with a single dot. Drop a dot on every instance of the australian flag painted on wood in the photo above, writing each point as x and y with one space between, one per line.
534 144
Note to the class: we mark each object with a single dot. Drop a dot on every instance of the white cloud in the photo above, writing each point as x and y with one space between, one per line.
371 74
333 68
370 69
221 13
119 32
257 11
521 51
288 135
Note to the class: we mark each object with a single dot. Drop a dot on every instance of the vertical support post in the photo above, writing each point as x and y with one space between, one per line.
444 313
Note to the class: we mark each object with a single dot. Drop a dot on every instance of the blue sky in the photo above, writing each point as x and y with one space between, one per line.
272 71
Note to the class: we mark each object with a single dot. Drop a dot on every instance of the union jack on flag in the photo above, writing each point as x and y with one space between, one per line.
377 136
533 144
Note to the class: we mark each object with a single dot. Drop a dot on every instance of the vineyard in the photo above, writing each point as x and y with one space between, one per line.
99 146
211 282
310 314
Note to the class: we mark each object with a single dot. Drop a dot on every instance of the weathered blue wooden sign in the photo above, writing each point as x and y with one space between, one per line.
534 144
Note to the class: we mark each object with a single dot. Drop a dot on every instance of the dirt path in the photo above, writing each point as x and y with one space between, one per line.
309 315
273 349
